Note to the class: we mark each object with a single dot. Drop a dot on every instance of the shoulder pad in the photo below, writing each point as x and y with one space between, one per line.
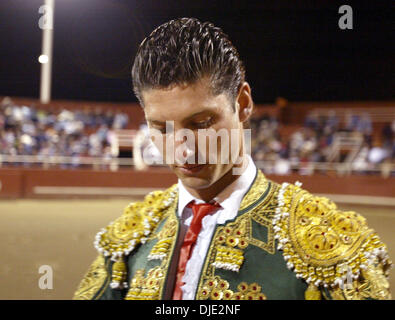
136 223
322 244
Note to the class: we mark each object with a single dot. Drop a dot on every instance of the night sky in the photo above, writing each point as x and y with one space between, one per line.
292 49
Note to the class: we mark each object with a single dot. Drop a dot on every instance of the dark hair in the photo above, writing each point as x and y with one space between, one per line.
184 50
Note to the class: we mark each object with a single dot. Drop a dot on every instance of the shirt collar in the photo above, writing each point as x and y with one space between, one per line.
229 198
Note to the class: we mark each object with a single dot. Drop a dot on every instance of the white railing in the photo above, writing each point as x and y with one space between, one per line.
341 168
125 137
378 114
345 141
113 164
51 161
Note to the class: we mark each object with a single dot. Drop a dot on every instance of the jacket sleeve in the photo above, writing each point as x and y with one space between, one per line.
95 285
94 281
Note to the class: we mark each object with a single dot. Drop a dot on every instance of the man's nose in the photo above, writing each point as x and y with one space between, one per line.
185 147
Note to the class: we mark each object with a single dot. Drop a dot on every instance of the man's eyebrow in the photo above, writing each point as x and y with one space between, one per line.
185 119
195 114
155 121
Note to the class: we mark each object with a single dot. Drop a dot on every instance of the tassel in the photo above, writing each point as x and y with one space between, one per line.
312 293
119 275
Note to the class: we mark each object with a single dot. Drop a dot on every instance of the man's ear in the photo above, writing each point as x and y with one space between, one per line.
244 102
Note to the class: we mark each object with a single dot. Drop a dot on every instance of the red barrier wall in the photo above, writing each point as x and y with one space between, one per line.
18 183
352 185
11 183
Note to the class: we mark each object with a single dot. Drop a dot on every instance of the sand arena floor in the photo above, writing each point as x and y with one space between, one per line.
60 233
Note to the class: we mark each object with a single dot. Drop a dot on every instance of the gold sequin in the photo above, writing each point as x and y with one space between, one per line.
218 289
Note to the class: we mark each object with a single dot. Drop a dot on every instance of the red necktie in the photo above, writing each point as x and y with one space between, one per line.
199 212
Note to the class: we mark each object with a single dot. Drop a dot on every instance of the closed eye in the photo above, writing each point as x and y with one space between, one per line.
203 124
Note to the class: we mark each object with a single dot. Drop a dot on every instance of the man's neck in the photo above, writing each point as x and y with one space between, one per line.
209 193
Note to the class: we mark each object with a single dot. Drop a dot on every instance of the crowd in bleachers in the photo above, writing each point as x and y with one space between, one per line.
26 130
312 143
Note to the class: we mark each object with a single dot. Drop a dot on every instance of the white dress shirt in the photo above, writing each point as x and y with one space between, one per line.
229 199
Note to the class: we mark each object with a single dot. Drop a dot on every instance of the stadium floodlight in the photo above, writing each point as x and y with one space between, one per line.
43 58
46 24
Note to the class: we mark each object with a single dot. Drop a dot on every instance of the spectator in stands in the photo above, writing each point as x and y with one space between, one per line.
313 142
311 121
377 154
120 120
25 130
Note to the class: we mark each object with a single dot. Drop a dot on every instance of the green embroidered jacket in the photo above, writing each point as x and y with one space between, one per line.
284 243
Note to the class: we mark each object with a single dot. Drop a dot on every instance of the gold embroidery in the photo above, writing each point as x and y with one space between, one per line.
229 243
228 258
263 214
242 287
218 289
216 294
322 244
312 293
357 290
161 249
146 288
119 238
335 294
256 191
230 240
132 228
92 281
119 274
372 284
228 294
380 288
151 287
249 292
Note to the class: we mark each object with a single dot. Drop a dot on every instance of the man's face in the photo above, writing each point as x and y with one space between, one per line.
194 107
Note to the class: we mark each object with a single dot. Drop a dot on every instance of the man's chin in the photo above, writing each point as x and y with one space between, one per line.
195 182
202 179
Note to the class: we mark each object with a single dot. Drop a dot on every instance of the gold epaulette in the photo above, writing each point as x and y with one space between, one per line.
322 244
132 228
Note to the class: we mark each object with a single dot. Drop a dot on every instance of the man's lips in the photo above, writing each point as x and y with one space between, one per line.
191 168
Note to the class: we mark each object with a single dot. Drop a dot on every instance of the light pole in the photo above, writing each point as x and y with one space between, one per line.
46 23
